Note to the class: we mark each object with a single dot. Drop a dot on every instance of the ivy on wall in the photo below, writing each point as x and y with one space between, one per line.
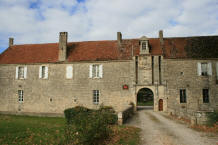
202 47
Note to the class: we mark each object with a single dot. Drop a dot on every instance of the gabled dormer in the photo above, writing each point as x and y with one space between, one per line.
144 45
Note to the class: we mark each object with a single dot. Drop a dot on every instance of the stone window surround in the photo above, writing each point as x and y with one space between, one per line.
21 72
96 71
43 72
202 71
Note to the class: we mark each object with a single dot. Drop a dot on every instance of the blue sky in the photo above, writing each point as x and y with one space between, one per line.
40 21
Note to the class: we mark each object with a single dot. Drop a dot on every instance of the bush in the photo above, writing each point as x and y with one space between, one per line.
212 118
86 126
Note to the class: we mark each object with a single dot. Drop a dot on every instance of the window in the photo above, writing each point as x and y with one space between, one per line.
205 95
144 45
69 72
204 69
96 71
43 72
95 96
21 72
182 96
20 96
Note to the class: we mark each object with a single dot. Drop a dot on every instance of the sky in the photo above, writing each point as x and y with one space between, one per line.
40 21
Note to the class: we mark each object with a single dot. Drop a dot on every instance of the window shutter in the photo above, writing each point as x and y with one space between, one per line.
209 66
199 69
46 72
40 72
16 75
25 72
69 72
90 71
101 71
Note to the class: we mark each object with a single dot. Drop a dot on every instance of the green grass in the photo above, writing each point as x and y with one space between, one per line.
21 130
31 130
148 103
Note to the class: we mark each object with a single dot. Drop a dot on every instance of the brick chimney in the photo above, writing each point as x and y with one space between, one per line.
119 38
62 46
11 42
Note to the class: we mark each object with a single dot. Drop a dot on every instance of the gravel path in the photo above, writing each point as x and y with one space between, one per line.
157 129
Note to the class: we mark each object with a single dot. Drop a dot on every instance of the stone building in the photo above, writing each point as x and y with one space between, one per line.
181 73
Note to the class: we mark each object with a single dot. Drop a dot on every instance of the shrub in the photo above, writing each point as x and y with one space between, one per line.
212 118
86 126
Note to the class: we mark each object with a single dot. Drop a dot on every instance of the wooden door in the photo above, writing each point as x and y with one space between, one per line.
161 105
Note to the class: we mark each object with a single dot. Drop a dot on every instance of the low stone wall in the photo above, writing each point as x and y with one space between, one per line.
200 118
124 114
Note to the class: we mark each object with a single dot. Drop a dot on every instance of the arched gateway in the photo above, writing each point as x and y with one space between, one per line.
145 97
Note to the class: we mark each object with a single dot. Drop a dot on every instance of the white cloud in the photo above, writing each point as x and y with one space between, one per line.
101 19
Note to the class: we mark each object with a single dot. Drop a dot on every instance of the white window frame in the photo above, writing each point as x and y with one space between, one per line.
69 72
208 71
98 73
20 96
24 76
45 76
95 96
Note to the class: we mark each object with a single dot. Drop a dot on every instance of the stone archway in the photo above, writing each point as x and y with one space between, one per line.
145 97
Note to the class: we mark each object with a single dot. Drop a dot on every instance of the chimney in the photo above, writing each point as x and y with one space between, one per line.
119 38
62 46
161 41
161 37
11 42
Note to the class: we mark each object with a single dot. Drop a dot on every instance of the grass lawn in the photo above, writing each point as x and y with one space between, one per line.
50 130
148 103
31 130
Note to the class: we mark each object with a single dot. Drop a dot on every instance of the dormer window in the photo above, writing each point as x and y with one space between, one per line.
144 45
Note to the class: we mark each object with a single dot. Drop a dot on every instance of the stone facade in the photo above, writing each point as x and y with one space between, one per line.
149 68
57 93
183 74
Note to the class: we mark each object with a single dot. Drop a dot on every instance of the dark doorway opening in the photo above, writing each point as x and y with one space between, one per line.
145 97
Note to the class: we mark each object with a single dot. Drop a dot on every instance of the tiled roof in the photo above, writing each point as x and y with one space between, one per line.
93 51
30 53
77 51
191 47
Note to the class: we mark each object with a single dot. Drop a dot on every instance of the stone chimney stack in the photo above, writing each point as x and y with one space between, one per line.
161 37
119 38
11 42
62 46
161 41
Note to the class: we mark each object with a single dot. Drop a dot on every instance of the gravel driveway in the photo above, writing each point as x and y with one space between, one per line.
157 129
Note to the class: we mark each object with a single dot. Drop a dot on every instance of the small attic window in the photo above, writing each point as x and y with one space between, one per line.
143 45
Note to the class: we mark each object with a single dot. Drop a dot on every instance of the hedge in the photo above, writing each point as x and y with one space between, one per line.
86 126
